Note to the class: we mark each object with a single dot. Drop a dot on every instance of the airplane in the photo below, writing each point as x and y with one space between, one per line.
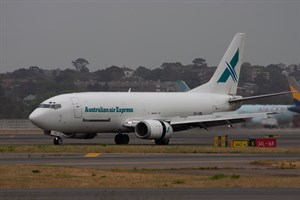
294 86
151 115
285 114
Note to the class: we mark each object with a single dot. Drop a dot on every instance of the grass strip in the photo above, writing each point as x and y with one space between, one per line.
38 176
279 164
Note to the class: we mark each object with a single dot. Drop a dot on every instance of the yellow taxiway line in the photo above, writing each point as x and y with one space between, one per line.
92 155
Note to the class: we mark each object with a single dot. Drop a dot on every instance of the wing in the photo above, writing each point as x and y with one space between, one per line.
215 119
204 121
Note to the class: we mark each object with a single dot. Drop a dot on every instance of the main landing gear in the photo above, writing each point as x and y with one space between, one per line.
57 141
121 138
162 142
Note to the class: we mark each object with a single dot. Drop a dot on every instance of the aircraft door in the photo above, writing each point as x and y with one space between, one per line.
77 107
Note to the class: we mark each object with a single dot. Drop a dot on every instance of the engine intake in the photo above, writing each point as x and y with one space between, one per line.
153 129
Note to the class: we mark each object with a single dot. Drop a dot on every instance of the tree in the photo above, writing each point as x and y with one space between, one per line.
245 74
113 73
80 65
35 70
156 74
199 62
171 65
2 91
142 72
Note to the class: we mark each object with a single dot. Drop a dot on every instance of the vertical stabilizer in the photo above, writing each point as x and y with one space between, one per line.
295 88
182 86
226 76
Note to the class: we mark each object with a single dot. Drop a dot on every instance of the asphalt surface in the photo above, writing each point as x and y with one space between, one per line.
149 194
226 163
199 137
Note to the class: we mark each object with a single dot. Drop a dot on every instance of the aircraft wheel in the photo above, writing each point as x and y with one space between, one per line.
162 142
121 139
57 141
118 139
125 139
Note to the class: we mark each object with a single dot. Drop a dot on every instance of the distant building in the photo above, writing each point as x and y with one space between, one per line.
128 73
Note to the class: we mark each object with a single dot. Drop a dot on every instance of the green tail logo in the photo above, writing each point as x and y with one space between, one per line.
229 71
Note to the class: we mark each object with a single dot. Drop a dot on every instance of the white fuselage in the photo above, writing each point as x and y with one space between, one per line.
96 112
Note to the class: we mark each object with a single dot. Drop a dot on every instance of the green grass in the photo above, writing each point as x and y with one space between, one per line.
179 182
218 176
235 176
36 171
222 176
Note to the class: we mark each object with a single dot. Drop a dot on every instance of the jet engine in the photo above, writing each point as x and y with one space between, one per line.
153 129
80 135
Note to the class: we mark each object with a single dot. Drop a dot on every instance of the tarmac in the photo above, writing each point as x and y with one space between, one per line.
199 137
226 163
152 194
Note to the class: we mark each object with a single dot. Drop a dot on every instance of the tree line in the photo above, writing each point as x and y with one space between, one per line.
22 90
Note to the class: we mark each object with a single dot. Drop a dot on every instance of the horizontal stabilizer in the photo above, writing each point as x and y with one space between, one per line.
258 97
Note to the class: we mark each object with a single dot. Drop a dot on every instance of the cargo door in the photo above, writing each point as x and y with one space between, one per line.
77 107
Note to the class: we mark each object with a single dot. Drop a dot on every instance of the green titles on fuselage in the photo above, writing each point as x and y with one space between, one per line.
110 110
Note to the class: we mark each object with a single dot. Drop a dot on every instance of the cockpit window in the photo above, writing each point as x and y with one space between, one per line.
54 106
57 106
44 105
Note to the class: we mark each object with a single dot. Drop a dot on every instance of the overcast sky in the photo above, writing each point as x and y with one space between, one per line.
53 33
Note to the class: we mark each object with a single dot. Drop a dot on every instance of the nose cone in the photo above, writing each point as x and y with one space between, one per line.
37 118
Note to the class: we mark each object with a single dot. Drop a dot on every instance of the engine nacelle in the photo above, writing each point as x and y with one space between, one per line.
80 135
153 129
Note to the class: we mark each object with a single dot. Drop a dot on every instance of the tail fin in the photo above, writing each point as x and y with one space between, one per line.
295 88
226 76
182 86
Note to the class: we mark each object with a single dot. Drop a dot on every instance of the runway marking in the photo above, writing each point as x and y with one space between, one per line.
92 155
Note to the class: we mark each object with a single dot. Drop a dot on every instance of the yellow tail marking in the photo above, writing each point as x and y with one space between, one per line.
296 93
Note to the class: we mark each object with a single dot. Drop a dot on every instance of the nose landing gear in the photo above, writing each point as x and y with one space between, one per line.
121 138
57 137
57 141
